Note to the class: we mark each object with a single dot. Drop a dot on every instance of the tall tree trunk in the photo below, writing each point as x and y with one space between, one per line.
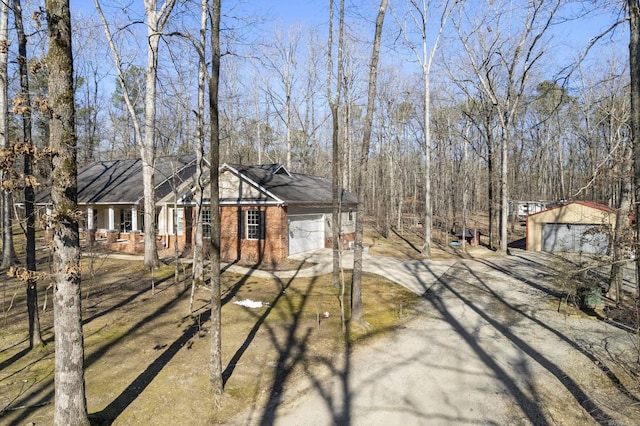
156 21
634 67
8 251
70 400
198 248
356 283
491 196
287 103
35 337
334 101
215 371
335 186
504 196
428 203
621 233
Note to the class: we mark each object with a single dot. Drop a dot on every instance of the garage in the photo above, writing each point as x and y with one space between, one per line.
575 238
573 227
306 232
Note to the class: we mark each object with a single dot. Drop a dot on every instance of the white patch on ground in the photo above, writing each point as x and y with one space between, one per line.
248 303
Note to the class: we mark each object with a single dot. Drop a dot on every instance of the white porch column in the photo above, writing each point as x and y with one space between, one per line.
90 219
134 218
49 212
111 218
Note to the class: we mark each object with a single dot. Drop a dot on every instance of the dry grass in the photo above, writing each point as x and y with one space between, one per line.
407 244
147 357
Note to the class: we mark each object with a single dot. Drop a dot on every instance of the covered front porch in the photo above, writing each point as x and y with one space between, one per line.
116 227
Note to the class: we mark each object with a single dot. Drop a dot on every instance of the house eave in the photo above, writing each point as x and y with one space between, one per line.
251 182
319 204
227 203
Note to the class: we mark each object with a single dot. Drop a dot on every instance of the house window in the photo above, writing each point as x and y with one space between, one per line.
180 221
255 225
350 215
125 220
206 223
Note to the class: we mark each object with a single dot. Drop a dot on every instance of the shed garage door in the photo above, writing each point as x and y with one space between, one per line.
575 238
306 233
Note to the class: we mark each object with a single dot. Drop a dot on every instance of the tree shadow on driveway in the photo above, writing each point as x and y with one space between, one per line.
462 284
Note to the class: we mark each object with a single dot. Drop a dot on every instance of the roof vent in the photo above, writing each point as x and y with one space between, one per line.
279 169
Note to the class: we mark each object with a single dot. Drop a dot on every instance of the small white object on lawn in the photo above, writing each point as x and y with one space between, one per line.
248 303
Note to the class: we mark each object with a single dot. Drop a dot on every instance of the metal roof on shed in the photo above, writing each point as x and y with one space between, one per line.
590 204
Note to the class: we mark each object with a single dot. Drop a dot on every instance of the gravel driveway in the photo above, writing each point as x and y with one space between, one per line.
487 347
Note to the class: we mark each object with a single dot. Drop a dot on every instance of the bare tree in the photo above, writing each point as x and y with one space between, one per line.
198 247
622 236
334 104
70 400
419 13
634 68
8 251
35 338
156 21
356 285
502 64
284 65
215 364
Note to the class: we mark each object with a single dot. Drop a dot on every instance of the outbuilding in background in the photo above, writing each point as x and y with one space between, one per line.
573 227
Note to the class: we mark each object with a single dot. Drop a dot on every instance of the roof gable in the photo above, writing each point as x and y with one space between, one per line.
237 187
293 188
264 184
270 184
590 204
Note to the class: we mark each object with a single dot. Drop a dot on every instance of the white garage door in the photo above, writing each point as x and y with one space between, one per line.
306 233
575 238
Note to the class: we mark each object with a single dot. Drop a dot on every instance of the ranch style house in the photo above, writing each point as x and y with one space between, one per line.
267 212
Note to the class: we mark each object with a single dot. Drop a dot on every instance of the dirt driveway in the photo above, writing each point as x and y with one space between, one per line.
488 347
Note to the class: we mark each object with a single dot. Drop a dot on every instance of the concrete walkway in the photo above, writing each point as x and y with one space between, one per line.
416 275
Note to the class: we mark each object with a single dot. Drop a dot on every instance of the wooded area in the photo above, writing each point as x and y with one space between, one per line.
537 119
439 117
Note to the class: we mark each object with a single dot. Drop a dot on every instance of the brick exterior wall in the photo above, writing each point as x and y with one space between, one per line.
235 247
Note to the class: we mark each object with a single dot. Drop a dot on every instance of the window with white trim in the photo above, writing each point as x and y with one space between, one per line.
255 225
206 223
125 220
180 221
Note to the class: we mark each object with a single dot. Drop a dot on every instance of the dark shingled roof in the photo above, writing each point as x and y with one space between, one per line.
293 188
120 181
